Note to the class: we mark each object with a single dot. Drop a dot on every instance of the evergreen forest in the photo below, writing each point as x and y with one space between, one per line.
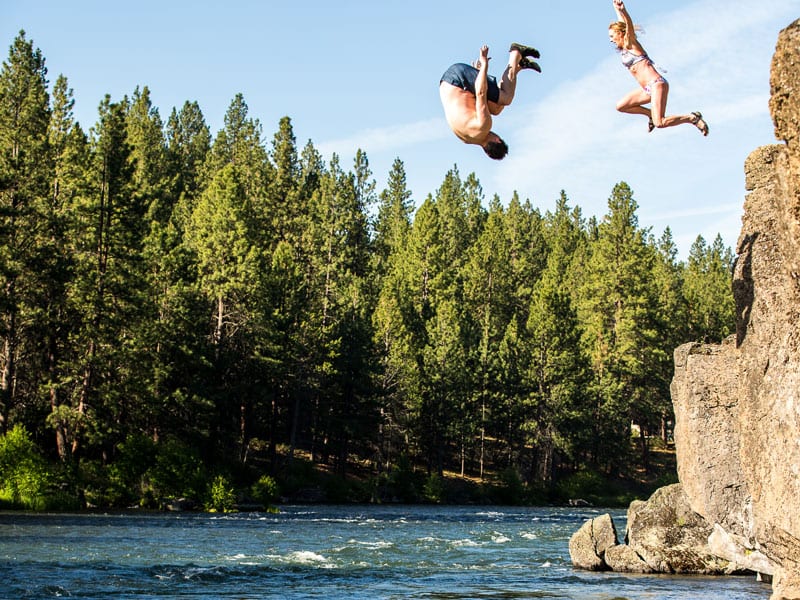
231 318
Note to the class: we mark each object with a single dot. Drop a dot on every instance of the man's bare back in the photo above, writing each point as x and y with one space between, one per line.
461 115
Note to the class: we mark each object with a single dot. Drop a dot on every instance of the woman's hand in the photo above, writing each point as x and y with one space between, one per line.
619 5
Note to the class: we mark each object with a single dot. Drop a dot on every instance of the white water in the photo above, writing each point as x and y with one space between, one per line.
331 552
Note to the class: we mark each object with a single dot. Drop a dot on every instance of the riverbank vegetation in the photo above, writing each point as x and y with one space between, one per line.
235 321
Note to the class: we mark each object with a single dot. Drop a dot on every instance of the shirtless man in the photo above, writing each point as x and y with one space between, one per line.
471 96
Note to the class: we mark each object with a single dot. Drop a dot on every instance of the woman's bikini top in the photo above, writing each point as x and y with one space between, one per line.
629 58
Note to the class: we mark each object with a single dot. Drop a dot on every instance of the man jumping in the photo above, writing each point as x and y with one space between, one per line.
471 96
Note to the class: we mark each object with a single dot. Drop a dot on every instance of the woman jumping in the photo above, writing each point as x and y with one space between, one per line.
654 89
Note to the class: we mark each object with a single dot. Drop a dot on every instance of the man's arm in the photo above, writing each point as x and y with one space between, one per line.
482 114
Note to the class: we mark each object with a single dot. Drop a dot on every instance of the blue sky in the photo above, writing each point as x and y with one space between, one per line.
364 73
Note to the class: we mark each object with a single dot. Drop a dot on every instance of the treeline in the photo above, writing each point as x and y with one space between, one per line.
177 309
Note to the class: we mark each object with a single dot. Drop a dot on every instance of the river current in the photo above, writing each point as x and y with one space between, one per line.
331 552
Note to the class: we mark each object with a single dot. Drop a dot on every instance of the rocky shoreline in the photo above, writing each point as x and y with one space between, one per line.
664 535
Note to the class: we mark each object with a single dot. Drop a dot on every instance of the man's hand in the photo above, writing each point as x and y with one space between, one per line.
483 58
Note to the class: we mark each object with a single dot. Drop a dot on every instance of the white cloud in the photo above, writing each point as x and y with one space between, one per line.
671 215
739 109
384 139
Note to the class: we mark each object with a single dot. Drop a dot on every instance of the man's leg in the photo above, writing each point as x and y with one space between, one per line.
508 84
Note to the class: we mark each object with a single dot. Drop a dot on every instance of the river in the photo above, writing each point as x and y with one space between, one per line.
331 552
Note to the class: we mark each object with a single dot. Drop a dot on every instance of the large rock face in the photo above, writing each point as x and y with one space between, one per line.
737 405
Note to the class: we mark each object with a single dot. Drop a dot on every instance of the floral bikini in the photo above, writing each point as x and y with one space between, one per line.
629 59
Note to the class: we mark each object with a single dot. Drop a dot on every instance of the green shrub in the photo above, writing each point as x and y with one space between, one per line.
127 481
433 490
94 482
402 481
177 472
338 490
265 490
585 484
510 490
221 496
299 474
25 479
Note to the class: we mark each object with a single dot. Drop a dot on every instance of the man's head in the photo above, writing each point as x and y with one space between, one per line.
495 147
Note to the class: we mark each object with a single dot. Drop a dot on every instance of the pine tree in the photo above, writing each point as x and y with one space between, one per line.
171 348
528 251
238 143
227 262
152 190
708 292
457 230
488 292
70 152
392 342
149 155
107 233
394 217
556 410
444 408
25 175
337 254
619 312
232 238
188 145
284 202
667 278
413 295
283 293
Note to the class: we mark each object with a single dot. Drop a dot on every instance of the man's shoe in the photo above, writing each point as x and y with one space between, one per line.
524 50
527 63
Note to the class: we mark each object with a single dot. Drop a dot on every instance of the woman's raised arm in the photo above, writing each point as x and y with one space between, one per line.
630 30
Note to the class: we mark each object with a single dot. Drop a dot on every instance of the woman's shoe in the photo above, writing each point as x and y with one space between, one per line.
700 123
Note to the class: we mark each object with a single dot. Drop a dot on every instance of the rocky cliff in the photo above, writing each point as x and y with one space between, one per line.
737 405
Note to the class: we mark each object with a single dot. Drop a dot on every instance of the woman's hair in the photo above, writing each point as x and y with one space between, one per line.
620 26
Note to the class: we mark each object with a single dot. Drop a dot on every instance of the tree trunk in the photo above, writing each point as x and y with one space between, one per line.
295 421
219 325
483 436
645 450
244 438
61 437
84 394
7 376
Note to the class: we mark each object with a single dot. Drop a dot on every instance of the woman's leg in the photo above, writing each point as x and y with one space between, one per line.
660 91
634 102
